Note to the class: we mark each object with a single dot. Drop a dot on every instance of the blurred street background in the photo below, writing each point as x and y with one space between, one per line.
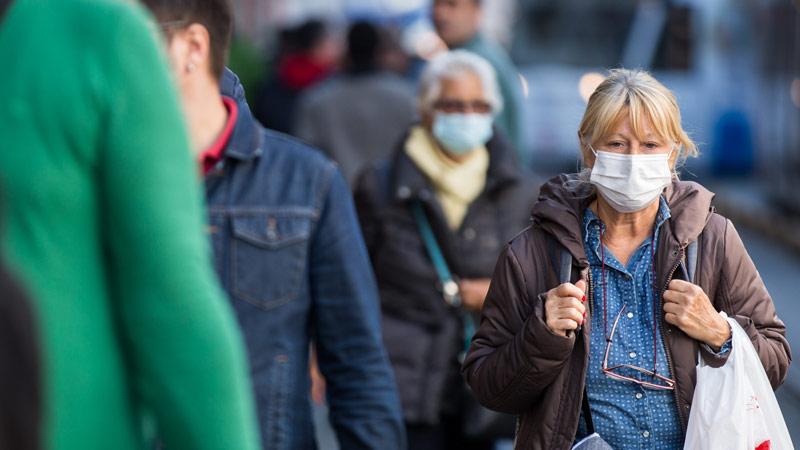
734 66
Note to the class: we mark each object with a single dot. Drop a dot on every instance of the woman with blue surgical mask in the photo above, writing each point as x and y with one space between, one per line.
435 216
599 311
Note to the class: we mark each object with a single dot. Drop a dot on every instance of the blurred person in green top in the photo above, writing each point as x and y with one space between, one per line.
457 23
104 225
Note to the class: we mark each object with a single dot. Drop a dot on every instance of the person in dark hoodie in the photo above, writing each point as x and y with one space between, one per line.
622 334
287 249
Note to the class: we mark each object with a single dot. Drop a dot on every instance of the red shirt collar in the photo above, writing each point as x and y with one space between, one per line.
213 154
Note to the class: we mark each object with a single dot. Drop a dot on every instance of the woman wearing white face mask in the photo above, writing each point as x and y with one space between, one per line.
596 314
454 188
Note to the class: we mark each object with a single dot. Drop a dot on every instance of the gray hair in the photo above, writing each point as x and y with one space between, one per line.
454 64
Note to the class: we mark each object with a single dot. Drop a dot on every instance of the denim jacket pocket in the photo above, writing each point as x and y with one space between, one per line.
268 256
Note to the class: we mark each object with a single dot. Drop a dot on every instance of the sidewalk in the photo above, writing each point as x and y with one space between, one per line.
747 204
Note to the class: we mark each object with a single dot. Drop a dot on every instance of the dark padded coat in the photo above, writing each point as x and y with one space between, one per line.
422 334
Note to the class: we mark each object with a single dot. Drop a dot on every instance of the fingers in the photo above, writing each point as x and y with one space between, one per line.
564 325
671 318
572 313
581 284
565 308
671 296
680 286
673 308
571 290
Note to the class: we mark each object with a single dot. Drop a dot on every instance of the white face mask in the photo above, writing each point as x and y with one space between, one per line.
630 182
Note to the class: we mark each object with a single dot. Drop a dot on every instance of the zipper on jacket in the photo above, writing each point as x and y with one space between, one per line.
664 337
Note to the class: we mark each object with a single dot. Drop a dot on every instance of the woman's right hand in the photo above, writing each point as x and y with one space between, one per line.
565 307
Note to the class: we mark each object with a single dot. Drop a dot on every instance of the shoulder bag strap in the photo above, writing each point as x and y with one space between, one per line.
449 287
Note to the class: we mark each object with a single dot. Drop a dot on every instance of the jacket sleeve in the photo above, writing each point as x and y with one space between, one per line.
750 304
361 389
514 356
182 346
366 208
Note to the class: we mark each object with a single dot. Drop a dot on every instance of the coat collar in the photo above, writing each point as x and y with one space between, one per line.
245 142
563 199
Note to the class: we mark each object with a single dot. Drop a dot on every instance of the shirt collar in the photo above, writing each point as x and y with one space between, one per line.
213 154
590 219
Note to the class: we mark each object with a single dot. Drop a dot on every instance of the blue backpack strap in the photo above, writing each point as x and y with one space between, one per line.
449 286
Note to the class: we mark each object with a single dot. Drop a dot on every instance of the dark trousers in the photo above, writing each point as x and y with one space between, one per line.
447 435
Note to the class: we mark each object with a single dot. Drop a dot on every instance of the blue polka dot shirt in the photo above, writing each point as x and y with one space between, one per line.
625 414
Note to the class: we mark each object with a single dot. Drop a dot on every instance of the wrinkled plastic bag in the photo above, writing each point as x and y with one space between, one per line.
734 407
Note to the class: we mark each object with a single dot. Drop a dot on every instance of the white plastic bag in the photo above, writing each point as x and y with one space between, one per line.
734 407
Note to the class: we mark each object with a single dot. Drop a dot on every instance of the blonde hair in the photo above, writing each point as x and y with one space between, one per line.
639 95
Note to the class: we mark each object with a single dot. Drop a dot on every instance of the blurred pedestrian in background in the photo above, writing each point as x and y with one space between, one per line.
458 24
287 248
358 115
20 368
624 333
104 227
452 184
307 54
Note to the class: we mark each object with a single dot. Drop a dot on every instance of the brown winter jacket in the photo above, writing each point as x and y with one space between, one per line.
517 365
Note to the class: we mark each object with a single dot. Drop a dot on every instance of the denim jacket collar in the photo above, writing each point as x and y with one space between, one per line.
245 142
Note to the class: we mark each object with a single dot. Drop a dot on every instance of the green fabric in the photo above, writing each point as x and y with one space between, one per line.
509 120
104 223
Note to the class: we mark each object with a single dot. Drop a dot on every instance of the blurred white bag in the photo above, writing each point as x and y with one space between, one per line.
734 407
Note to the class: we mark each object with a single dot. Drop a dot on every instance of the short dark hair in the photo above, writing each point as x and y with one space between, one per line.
215 15
363 46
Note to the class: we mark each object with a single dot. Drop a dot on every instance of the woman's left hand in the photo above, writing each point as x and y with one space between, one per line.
688 308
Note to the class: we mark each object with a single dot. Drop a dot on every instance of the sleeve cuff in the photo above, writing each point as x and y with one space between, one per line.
723 351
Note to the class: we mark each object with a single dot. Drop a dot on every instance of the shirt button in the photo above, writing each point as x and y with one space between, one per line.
630 315
632 354
638 395
646 433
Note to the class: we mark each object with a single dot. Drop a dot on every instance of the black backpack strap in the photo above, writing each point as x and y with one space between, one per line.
560 260
587 413
565 266
691 261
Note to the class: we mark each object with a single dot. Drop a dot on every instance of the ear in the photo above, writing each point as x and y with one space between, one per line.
198 49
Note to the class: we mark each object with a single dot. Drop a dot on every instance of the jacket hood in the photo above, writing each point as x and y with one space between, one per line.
562 200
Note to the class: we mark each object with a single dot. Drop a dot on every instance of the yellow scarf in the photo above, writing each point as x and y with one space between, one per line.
457 184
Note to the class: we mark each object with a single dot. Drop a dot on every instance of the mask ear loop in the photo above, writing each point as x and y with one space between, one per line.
674 168
580 164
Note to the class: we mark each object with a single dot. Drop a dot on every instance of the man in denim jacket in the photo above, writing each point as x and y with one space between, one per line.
287 248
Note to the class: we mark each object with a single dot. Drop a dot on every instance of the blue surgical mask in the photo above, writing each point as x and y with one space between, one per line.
461 133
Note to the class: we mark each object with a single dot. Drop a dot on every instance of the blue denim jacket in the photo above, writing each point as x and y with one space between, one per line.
290 255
